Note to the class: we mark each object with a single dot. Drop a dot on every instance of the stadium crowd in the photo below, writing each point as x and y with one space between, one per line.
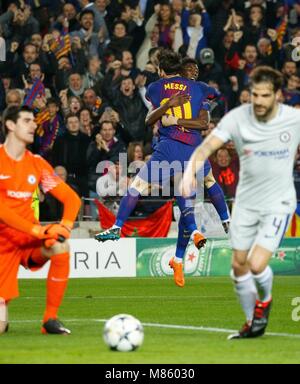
84 68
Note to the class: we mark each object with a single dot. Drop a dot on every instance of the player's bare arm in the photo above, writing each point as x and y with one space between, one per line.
201 154
200 123
176 100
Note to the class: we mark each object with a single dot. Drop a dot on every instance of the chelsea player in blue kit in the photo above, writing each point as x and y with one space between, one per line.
176 145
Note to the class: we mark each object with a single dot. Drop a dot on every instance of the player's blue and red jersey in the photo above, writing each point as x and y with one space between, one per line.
158 94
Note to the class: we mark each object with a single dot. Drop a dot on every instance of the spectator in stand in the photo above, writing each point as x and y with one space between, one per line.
111 185
129 104
93 102
51 209
105 148
69 13
135 152
291 93
76 86
86 122
196 31
245 96
289 68
226 171
50 130
256 27
89 38
14 97
170 32
120 40
70 150
93 76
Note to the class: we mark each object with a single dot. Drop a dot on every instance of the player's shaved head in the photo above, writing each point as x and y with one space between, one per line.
170 62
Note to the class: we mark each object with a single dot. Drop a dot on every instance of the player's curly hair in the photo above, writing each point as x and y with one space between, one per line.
170 62
265 74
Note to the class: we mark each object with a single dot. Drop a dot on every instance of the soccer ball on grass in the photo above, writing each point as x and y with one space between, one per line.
123 333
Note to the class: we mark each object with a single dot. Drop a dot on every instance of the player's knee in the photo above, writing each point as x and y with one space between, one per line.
256 267
140 185
239 267
59 248
209 181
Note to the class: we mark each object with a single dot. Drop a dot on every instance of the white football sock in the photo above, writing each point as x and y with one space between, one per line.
196 232
178 260
264 282
247 293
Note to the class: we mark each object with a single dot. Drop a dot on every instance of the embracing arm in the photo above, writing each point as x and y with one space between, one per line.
200 123
176 100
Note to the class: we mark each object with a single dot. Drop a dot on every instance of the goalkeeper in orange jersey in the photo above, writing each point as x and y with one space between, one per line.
23 241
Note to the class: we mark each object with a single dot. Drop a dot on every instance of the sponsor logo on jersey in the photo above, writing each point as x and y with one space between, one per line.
276 154
4 177
19 195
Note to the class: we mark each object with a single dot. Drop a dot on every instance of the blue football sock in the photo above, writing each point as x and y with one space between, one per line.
183 239
187 225
217 198
188 214
127 205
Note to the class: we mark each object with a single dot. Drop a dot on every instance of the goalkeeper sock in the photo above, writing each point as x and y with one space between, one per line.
127 205
57 281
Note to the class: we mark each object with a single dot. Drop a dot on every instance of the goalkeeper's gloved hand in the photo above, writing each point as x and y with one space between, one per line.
40 232
57 232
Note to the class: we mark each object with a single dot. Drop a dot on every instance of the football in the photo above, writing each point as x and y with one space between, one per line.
123 333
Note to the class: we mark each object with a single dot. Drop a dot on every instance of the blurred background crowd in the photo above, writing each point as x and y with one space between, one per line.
84 68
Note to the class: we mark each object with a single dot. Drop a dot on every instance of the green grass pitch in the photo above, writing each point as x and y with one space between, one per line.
204 302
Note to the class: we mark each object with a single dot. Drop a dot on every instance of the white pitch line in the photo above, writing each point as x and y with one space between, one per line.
170 326
127 297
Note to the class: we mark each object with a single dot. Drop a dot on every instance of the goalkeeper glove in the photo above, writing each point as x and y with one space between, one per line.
57 232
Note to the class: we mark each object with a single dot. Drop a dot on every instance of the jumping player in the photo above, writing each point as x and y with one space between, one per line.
190 71
176 144
266 134
23 241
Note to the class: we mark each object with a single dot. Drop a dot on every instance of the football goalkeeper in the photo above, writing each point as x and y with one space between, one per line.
23 241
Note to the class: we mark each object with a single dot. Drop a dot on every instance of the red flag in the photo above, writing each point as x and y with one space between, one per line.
156 225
